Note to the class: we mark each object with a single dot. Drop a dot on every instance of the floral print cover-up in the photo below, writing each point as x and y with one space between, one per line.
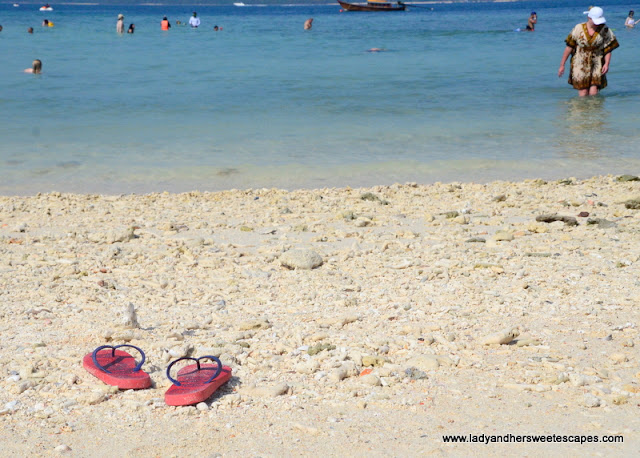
588 54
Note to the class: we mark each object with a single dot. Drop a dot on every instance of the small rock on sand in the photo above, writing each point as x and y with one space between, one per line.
301 259
501 338
424 362
267 391
590 400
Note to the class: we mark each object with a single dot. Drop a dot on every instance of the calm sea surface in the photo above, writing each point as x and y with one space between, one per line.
458 95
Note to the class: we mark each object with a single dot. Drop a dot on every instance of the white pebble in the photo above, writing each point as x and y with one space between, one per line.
591 400
202 406
501 338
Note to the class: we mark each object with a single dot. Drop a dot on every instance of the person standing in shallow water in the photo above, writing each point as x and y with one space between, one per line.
589 44
194 21
630 23
120 24
531 23
308 24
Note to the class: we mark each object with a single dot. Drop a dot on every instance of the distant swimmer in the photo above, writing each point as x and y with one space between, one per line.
0 28
194 21
165 24
630 23
376 50
531 23
216 28
308 23
30 30
35 68
132 28
120 24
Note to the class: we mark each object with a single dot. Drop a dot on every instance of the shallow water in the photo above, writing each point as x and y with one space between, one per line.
456 95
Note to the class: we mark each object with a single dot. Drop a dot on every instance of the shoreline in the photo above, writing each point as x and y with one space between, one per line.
382 349
99 180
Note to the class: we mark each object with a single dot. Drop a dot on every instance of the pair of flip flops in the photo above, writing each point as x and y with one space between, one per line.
193 383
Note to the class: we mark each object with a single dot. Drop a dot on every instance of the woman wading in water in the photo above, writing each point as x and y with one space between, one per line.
589 44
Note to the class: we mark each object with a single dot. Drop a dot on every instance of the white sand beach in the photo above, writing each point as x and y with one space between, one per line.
357 322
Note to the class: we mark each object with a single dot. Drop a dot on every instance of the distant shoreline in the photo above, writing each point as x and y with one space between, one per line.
259 3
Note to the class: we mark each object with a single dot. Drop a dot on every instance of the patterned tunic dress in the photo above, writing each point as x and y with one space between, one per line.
587 57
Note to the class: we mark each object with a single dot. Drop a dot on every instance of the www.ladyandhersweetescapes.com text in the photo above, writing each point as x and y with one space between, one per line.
545 438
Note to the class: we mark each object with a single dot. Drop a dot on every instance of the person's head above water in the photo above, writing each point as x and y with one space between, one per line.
195 14
596 15
36 67
631 13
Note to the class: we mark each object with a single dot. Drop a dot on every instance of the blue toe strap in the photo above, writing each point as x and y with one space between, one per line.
113 354
197 360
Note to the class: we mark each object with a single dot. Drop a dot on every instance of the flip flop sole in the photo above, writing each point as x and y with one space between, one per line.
120 367
193 387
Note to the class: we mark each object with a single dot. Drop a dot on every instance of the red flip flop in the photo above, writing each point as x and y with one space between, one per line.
196 382
117 367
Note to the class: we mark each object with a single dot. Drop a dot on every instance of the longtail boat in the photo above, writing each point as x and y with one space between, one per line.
373 5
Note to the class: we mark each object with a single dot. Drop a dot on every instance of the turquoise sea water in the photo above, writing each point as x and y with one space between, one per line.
456 96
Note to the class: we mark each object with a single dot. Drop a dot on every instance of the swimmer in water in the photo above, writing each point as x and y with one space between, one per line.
194 21
35 68
308 23
120 24
630 23
531 23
